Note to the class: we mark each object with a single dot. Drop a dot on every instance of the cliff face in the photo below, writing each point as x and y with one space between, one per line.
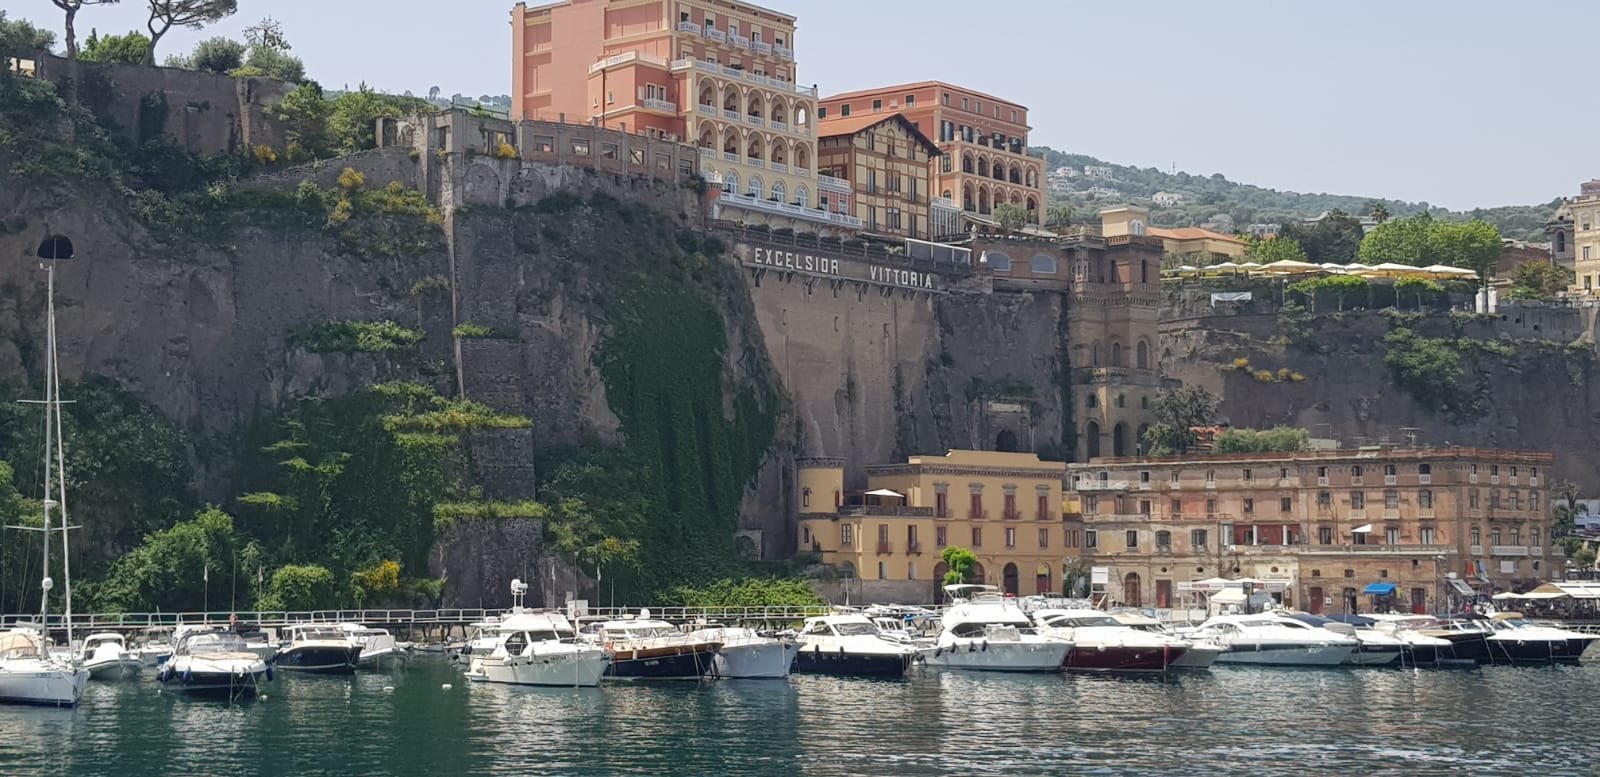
1518 389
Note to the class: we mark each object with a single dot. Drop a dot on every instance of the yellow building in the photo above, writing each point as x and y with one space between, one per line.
1180 245
1586 238
1005 507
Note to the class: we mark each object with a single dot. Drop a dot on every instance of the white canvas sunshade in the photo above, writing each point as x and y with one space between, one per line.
885 492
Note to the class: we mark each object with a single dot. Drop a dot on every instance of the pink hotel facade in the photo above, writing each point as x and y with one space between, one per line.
716 74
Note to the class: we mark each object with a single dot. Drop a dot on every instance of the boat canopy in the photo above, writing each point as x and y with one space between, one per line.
1379 589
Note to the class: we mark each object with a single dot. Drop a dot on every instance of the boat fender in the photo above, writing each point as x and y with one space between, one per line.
269 673
972 647
188 674
986 646
165 674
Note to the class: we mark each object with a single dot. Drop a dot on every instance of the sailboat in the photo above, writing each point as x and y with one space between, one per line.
29 673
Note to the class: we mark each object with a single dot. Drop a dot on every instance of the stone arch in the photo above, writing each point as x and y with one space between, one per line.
1033 206
802 156
1008 578
1091 440
730 98
708 93
780 152
755 147
966 162
481 186
847 570
967 202
977 573
802 196
1116 354
755 105
756 187
730 182
802 117
730 141
1015 197
1136 227
708 136
945 194
778 111
1014 174
1119 440
999 168
983 166
529 185
1141 355
1033 178
1006 441
778 191
983 199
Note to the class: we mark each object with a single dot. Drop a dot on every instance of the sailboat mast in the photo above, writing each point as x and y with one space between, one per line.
49 438
61 457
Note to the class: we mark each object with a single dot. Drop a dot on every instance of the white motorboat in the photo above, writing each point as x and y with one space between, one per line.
378 646
1202 653
154 646
106 656
214 663
262 642
984 630
747 654
1101 643
1419 647
1374 648
642 648
483 637
850 644
319 648
538 648
29 675
1263 639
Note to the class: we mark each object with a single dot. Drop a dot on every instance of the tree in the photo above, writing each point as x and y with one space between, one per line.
1340 285
1010 217
1417 286
194 14
169 570
1279 439
1473 245
959 563
1333 238
1379 212
21 37
1181 409
1161 440
433 93
272 63
266 34
1274 249
300 587
1059 216
130 49
1403 241
749 592
1583 558
304 113
71 8
217 55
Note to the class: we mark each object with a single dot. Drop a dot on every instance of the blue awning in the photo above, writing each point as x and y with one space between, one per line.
1379 589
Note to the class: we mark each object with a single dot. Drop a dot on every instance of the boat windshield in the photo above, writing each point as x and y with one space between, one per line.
548 635
307 634
212 642
1081 621
638 632
855 629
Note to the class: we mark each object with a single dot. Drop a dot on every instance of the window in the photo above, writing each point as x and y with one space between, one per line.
1249 505
1325 535
966 105
1122 400
1494 536
1477 536
1043 505
1211 478
911 570
1092 401
844 110
1425 499
945 98
1425 535
1144 478
1516 499
1516 536
883 537
1132 538
1285 504
1177 508
941 536
1211 507
877 106
1350 573
1013 116
1173 478
1091 538
1391 499
1246 475
941 502
1044 538
1011 538
977 536
1472 499
1197 538
1163 540
847 534
892 218
805 497
911 101
1533 501
1324 498
883 570
1069 538
1358 500
912 546
1010 509
975 505
805 536
1283 473
1355 471
1391 536
1533 537
822 113
1091 505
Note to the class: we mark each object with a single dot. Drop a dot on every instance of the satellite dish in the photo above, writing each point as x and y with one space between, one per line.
518 587
55 248
47 584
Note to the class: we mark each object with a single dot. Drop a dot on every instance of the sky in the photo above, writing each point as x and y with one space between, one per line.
1460 103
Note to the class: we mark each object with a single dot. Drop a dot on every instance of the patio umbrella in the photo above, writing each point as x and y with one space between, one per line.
1291 266
1450 272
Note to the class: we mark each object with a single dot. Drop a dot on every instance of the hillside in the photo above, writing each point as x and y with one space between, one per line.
1205 197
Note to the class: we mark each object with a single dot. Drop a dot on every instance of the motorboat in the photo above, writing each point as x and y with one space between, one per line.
1201 654
911 625
538 648
642 648
1267 640
1374 648
214 663
850 644
1468 637
154 646
1417 648
983 630
1517 640
259 641
30 675
1101 643
106 656
482 638
320 648
378 646
747 654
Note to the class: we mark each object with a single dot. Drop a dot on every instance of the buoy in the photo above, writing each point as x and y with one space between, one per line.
446 686
388 689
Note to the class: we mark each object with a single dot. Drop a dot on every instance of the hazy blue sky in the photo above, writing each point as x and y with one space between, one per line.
1460 103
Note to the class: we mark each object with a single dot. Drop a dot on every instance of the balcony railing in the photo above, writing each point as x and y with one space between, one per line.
1507 550
903 511
913 547
977 515
626 57
730 115
1089 484
756 120
753 162
943 202
1536 551
731 71
689 27
885 548
709 110
1397 550
739 41
715 34
729 156
779 167
1476 550
791 209
1425 479
784 52
1011 515
802 172
833 184
655 103
708 152
755 78
761 46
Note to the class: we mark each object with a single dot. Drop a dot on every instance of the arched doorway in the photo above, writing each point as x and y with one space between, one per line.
1119 440
1041 579
1130 590
977 573
1091 439
1006 441
1139 443
939 571
1009 579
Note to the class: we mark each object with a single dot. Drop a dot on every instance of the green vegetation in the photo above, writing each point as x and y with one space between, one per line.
1423 241
18 37
1431 370
1334 238
469 330
168 570
1538 281
959 563
1010 217
1179 410
129 49
1340 286
300 587
355 337
1274 249
747 592
1279 439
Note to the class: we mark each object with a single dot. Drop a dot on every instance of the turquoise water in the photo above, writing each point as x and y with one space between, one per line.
1226 721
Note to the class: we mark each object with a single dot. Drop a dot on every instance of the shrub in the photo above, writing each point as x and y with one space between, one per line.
264 154
1264 376
1241 363
217 55
355 337
351 179
506 151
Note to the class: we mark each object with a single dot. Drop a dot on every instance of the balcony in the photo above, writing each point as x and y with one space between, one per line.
802 172
944 203
1377 550
1507 550
625 58
885 548
709 110
731 71
778 125
1536 552
1475 550
657 104
753 162
756 78
1425 479
791 209
756 120
739 41
894 511
977 515
913 547
729 156
709 153
689 27
1390 480
761 46
779 167
784 52
1102 485
1011 515
730 115
832 184
715 34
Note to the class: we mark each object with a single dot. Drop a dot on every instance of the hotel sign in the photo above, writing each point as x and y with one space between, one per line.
848 269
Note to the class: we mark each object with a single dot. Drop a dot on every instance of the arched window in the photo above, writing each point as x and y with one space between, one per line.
801 196
802 156
730 182
1116 354
1091 439
1119 440
1136 227
730 98
756 106
756 187
1094 355
756 148
983 166
1042 264
1142 356
967 202
1092 401
778 191
1561 242
966 164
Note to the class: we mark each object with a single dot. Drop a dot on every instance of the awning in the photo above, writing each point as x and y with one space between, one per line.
1379 589
885 492
1461 586
1364 528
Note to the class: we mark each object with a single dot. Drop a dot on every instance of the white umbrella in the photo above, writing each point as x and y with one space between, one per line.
1444 269
885 492
1224 266
1291 265
1393 268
